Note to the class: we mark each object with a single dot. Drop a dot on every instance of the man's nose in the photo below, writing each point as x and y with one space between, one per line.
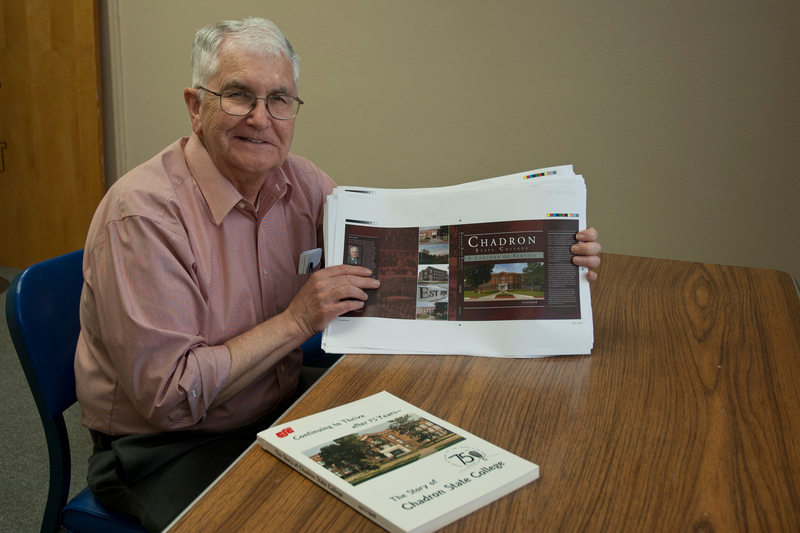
260 116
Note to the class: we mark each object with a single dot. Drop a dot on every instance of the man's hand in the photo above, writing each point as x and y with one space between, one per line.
329 293
586 251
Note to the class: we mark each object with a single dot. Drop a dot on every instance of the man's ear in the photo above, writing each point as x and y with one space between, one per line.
193 104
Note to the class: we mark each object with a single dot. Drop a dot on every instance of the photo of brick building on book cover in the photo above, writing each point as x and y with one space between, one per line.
362 456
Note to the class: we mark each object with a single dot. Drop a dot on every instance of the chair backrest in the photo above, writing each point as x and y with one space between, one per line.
42 308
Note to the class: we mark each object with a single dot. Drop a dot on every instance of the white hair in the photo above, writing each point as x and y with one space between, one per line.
253 34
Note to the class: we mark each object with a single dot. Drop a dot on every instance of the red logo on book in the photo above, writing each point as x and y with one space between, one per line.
284 432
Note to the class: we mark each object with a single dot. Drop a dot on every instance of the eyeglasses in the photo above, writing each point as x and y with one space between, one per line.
240 103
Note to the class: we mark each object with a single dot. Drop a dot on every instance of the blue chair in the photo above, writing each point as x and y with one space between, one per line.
314 356
42 314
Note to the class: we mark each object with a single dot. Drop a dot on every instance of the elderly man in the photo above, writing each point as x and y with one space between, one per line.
353 258
192 312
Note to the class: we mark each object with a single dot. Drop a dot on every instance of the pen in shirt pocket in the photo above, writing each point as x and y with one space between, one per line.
309 261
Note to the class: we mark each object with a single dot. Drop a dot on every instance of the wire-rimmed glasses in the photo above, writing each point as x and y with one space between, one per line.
239 103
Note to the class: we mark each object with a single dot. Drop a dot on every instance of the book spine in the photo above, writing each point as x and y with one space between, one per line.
330 487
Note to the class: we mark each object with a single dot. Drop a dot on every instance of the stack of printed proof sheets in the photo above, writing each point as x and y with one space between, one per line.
483 268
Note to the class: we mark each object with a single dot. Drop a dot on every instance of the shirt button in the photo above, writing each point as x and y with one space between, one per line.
241 205
265 273
282 368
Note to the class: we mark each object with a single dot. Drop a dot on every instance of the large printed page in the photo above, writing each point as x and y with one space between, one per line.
400 466
478 269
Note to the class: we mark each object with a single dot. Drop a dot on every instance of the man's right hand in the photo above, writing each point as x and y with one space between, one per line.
329 293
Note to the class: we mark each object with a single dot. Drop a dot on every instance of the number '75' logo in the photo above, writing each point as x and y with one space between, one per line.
465 457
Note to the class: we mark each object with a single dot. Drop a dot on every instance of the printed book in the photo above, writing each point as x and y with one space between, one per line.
403 468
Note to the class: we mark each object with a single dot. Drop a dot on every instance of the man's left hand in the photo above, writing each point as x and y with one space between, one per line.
586 251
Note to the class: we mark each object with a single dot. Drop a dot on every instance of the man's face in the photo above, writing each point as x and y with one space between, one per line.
245 149
354 253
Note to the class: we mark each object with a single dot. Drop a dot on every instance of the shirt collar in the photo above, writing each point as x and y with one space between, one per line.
219 193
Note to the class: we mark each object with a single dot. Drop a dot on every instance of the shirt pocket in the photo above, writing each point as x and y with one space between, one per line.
298 280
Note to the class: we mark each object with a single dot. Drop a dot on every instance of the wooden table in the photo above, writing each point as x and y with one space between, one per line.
686 417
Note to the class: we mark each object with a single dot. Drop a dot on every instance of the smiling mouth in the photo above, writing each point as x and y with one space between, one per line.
255 141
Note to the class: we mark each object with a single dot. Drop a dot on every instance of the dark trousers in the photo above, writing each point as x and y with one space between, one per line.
156 476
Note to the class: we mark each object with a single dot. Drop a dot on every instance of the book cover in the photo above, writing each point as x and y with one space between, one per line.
511 270
398 465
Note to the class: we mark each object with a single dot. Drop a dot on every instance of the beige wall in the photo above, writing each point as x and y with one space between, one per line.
684 117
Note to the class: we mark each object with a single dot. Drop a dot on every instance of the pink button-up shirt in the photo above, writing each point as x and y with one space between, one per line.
176 263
